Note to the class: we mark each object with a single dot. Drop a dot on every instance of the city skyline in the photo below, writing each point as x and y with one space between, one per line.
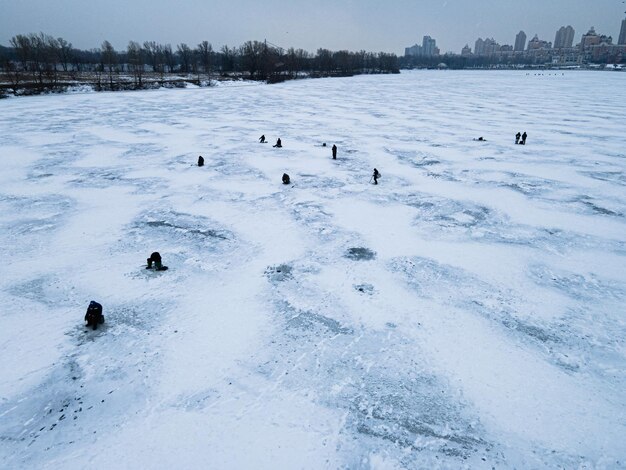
352 25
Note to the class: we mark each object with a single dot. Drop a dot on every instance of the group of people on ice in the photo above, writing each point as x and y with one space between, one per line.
94 315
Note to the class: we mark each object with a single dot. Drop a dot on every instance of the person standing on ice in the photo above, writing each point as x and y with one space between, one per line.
517 137
376 175
334 152
278 144
524 135
262 139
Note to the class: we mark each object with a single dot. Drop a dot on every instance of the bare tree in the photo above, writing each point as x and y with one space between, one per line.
135 56
109 59
23 49
185 55
229 56
205 52
64 52
168 56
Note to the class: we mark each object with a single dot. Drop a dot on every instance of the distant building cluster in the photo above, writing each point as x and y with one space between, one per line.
427 49
593 47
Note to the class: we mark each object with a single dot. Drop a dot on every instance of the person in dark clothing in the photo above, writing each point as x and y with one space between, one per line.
517 137
376 175
524 135
278 144
262 139
200 161
94 316
156 259
324 144
286 179
334 152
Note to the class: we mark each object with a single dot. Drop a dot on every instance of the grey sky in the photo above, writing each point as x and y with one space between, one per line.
373 25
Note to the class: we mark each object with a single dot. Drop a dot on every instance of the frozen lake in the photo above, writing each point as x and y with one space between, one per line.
467 311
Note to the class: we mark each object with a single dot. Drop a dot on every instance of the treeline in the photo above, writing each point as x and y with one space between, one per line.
40 62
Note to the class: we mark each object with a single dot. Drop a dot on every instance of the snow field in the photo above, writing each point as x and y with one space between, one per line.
467 312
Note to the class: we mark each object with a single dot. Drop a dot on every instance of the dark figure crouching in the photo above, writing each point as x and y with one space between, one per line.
334 152
200 161
94 316
156 259
286 179
376 175
278 144
262 139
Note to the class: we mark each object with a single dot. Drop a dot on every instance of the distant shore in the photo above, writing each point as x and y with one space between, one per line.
88 82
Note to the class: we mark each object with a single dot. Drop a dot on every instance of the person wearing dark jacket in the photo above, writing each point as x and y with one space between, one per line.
278 144
200 161
524 135
156 259
376 175
334 152
517 137
286 179
262 139
94 316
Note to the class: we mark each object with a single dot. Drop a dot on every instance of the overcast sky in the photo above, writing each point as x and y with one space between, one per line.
373 25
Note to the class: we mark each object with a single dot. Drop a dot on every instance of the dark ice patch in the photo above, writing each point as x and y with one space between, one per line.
364 288
187 230
589 203
280 273
307 320
577 286
360 254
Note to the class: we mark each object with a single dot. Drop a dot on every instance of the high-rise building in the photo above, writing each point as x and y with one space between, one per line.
520 41
479 46
622 34
429 45
564 37
466 51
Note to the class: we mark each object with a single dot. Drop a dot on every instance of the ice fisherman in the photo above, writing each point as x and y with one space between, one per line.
200 161
524 135
286 179
94 316
517 137
156 259
278 144
376 175
334 152
262 139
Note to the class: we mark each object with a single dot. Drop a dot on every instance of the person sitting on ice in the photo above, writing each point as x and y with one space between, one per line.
200 161
376 175
524 135
156 259
517 137
94 316
279 144
262 139
286 179
480 139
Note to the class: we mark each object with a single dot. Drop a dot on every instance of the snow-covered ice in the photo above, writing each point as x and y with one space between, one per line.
466 312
